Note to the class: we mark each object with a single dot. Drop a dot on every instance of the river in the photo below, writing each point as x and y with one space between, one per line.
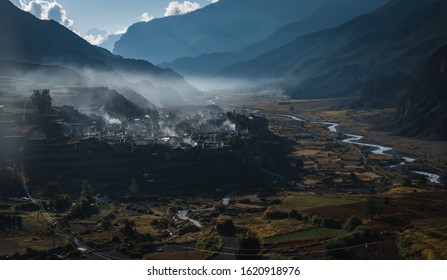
376 149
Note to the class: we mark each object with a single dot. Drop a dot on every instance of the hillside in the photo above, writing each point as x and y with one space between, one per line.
27 39
328 14
403 47
422 108
281 61
224 26
41 74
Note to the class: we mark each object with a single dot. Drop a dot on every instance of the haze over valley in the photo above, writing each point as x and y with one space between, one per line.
230 129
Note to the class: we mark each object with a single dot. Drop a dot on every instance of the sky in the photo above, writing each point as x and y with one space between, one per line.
95 19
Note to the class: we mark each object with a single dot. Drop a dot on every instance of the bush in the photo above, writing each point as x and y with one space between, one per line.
188 228
373 207
226 227
315 220
352 223
275 202
275 215
61 203
249 248
294 214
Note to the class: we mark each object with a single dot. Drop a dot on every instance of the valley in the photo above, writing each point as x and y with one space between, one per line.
224 130
295 198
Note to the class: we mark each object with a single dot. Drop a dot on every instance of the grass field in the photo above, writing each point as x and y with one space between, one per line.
308 200
315 233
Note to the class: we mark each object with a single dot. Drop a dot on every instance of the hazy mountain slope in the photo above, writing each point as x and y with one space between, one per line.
42 74
329 14
281 61
25 38
99 101
223 26
422 108
403 47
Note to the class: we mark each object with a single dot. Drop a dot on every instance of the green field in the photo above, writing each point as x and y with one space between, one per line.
308 201
315 233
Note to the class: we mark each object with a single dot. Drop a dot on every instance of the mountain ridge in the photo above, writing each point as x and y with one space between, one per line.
321 18
26 39
223 26
283 60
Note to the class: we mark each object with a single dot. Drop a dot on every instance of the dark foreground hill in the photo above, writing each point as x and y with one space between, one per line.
422 108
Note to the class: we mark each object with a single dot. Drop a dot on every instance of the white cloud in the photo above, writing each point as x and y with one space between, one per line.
213 1
177 8
146 17
94 40
95 36
46 10
121 31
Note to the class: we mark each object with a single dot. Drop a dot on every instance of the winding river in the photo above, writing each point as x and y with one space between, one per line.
376 149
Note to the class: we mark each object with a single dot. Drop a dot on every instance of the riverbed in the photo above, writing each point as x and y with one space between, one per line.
376 149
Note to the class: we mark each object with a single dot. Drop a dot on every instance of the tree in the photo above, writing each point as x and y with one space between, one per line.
52 189
128 228
249 248
61 203
87 192
226 227
352 223
294 214
133 188
42 101
373 207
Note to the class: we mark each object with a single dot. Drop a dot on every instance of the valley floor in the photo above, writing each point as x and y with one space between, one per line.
303 213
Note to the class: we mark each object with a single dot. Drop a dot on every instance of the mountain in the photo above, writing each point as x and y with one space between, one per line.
280 62
402 47
422 108
100 100
329 14
223 26
109 42
383 90
27 39
41 74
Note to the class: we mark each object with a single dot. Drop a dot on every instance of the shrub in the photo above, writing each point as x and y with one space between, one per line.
352 223
226 227
373 207
275 215
275 202
249 248
294 214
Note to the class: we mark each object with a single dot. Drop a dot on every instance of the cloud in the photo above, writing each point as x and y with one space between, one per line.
213 1
177 8
121 31
95 36
46 10
94 40
146 17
